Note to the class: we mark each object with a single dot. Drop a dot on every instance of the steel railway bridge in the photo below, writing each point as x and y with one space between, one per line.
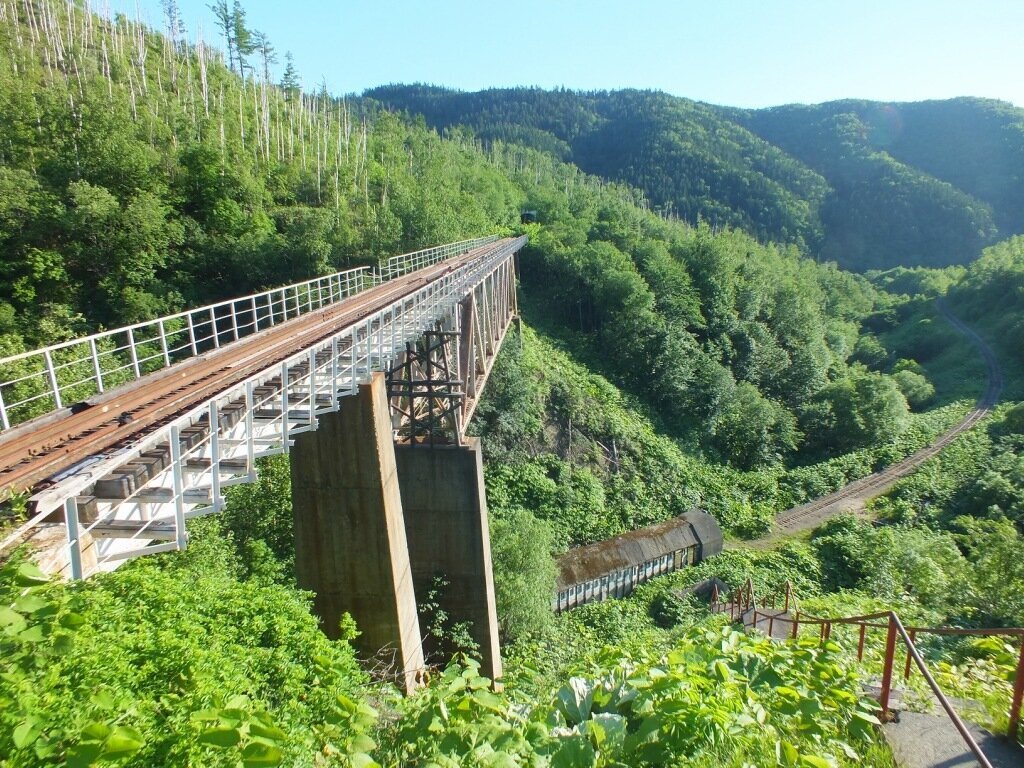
367 378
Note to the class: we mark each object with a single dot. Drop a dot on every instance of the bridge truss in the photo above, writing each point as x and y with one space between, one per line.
435 334
435 383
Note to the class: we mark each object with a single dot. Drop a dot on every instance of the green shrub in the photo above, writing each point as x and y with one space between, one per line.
170 660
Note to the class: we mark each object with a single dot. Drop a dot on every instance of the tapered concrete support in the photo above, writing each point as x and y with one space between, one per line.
350 535
446 523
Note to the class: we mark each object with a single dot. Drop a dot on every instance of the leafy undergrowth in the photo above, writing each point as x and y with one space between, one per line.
206 658
177 660
850 568
573 450
717 698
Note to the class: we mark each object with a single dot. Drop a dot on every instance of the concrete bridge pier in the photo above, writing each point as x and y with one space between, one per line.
445 508
376 522
350 536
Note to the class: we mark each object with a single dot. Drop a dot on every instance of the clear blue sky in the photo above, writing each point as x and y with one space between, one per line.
748 53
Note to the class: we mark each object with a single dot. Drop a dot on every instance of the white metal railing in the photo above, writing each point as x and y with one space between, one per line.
294 393
43 380
410 262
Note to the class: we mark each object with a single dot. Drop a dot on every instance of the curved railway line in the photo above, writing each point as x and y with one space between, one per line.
38 450
852 496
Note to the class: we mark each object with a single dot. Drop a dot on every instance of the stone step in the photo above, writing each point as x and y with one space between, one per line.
775 622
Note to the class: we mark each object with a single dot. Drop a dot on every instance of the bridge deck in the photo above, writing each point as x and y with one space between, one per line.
37 450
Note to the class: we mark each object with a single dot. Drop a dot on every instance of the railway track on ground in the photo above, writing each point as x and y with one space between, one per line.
855 494
33 452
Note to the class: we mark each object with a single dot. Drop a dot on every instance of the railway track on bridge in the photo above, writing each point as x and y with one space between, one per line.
855 494
36 451
120 473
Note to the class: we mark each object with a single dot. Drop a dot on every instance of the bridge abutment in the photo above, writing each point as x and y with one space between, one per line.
351 548
445 508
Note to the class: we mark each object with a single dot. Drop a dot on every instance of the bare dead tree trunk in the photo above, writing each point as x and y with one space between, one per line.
201 52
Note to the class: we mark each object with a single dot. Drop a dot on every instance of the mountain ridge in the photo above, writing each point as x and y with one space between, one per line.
866 184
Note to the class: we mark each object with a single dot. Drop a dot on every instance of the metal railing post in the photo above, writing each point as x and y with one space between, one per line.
52 374
192 334
284 406
213 329
250 436
4 421
133 353
1018 694
96 369
334 370
163 344
215 456
906 668
180 533
74 537
890 655
312 387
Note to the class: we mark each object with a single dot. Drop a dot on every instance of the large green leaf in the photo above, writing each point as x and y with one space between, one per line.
256 755
575 700
29 575
362 743
123 741
30 603
221 736
26 732
575 752
271 732
11 621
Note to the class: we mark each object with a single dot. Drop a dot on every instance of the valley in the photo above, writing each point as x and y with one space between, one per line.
767 314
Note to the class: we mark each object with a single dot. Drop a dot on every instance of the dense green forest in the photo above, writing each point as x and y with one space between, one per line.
185 183
866 184
692 355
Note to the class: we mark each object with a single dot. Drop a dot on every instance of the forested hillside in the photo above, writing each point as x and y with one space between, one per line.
142 175
869 185
139 175
951 169
687 160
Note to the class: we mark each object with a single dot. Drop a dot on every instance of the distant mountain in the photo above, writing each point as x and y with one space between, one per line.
687 158
932 181
866 184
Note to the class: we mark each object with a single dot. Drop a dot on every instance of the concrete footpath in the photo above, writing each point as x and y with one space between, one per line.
931 741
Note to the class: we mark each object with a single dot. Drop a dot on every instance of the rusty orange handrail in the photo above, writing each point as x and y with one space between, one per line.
746 599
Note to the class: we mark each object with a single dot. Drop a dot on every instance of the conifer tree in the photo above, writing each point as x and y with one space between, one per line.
290 78
226 24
